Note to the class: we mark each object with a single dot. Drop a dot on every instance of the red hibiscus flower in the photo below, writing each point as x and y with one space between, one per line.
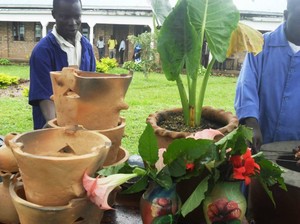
244 166
190 166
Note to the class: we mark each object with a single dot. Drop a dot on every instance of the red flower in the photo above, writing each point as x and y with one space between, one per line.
244 166
190 166
223 210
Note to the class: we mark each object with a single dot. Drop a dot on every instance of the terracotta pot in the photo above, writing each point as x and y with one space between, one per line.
122 157
165 137
8 162
52 162
93 100
8 213
79 210
114 134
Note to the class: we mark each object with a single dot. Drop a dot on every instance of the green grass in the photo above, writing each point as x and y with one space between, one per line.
21 71
144 96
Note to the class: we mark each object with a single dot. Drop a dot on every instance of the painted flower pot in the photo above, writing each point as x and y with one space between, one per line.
8 163
226 120
52 162
93 100
157 201
114 134
79 210
225 203
8 213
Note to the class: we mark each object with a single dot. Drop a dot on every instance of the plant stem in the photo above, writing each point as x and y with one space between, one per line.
184 100
202 91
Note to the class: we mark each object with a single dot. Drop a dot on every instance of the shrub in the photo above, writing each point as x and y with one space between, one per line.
101 67
110 62
132 66
7 80
4 61
25 91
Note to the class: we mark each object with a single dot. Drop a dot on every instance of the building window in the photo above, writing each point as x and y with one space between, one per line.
37 31
18 31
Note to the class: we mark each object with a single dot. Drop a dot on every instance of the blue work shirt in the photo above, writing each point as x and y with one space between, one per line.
268 89
48 56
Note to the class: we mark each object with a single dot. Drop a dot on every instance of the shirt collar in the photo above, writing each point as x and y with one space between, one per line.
62 41
278 37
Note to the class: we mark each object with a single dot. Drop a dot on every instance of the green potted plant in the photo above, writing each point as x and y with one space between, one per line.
225 162
182 35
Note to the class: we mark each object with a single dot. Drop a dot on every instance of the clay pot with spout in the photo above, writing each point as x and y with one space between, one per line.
52 162
93 100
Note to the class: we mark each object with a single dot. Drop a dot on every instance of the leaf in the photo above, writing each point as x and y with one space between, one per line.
178 43
148 148
161 9
195 198
140 185
166 219
215 19
245 38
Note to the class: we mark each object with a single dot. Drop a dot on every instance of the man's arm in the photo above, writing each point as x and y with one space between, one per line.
48 109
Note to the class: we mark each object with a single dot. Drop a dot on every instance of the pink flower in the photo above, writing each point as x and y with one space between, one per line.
206 134
98 189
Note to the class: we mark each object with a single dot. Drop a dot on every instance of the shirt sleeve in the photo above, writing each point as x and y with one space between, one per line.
246 99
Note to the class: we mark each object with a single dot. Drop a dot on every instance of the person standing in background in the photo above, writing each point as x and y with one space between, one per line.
101 47
122 48
112 43
63 47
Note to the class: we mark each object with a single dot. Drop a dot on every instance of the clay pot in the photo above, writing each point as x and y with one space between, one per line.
8 213
165 137
52 162
8 162
79 210
114 134
93 100
122 157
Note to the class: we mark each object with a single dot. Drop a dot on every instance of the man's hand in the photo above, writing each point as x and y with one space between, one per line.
48 110
252 122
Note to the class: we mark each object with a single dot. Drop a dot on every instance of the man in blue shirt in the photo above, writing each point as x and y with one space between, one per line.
62 47
268 88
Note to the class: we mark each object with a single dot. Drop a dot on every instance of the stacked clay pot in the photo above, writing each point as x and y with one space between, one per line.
94 101
51 164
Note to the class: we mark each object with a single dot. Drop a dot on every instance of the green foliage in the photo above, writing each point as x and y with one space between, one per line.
147 42
133 66
25 92
105 64
7 80
4 61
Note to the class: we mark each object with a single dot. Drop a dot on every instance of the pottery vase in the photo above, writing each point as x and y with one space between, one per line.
8 213
8 163
79 210
93 100
226 120
224 203
52 162
157 202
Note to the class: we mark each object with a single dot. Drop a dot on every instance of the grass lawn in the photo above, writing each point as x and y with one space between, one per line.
144 96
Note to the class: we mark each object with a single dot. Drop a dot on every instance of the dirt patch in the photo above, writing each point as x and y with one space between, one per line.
14 90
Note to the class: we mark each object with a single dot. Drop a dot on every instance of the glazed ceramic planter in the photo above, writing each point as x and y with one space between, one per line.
52 162
8 213
93 100
114 134
164 137
79 210
8 163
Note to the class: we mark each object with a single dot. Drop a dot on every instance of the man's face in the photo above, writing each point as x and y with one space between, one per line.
68 19
293 24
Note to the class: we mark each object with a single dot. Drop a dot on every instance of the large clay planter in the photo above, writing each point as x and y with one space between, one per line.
8 162
114 134
165 137
77 211
8 213
52 162
93 100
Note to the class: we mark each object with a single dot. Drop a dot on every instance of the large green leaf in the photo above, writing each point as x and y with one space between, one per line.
178 43
161 9
216 19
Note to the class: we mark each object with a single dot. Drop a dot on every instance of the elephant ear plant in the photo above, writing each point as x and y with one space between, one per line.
180 42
